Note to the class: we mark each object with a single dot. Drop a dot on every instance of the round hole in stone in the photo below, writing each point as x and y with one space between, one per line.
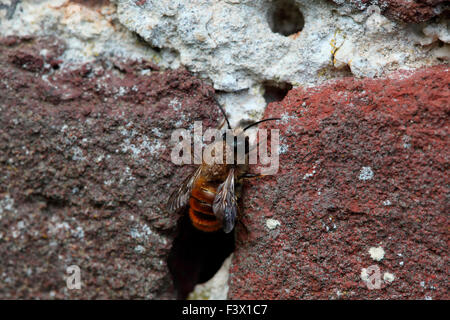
285 17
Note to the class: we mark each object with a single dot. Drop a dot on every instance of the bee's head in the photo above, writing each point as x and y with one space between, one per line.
238 136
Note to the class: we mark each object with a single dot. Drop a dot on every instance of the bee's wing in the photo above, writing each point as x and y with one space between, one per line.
224 205
180 197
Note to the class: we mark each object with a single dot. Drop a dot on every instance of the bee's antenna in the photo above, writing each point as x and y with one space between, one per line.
223 111
258 122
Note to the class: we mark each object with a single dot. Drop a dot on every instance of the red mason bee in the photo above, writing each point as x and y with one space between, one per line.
210 193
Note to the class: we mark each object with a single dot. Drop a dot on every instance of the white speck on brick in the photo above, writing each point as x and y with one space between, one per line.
387 203
157 132
77 154
175 104
139 249
99 158
108 182
310 174
376 254
124 132
285 118
57 227
388 277
283 148
20 225
272 223
366 173
6 204
154 147
127 175
141 232
78 232
122 91
406 142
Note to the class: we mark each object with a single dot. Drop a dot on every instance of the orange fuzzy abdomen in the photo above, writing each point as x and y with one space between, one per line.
200 207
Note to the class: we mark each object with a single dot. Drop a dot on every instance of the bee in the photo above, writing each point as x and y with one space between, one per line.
209 199
211 192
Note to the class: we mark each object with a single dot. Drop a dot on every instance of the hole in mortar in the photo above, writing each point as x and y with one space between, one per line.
196 256
275 91
285 17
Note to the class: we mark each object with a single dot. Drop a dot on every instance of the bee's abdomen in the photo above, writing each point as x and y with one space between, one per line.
200 208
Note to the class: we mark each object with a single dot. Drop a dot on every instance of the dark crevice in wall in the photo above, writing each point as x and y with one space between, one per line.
196 256
275 91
